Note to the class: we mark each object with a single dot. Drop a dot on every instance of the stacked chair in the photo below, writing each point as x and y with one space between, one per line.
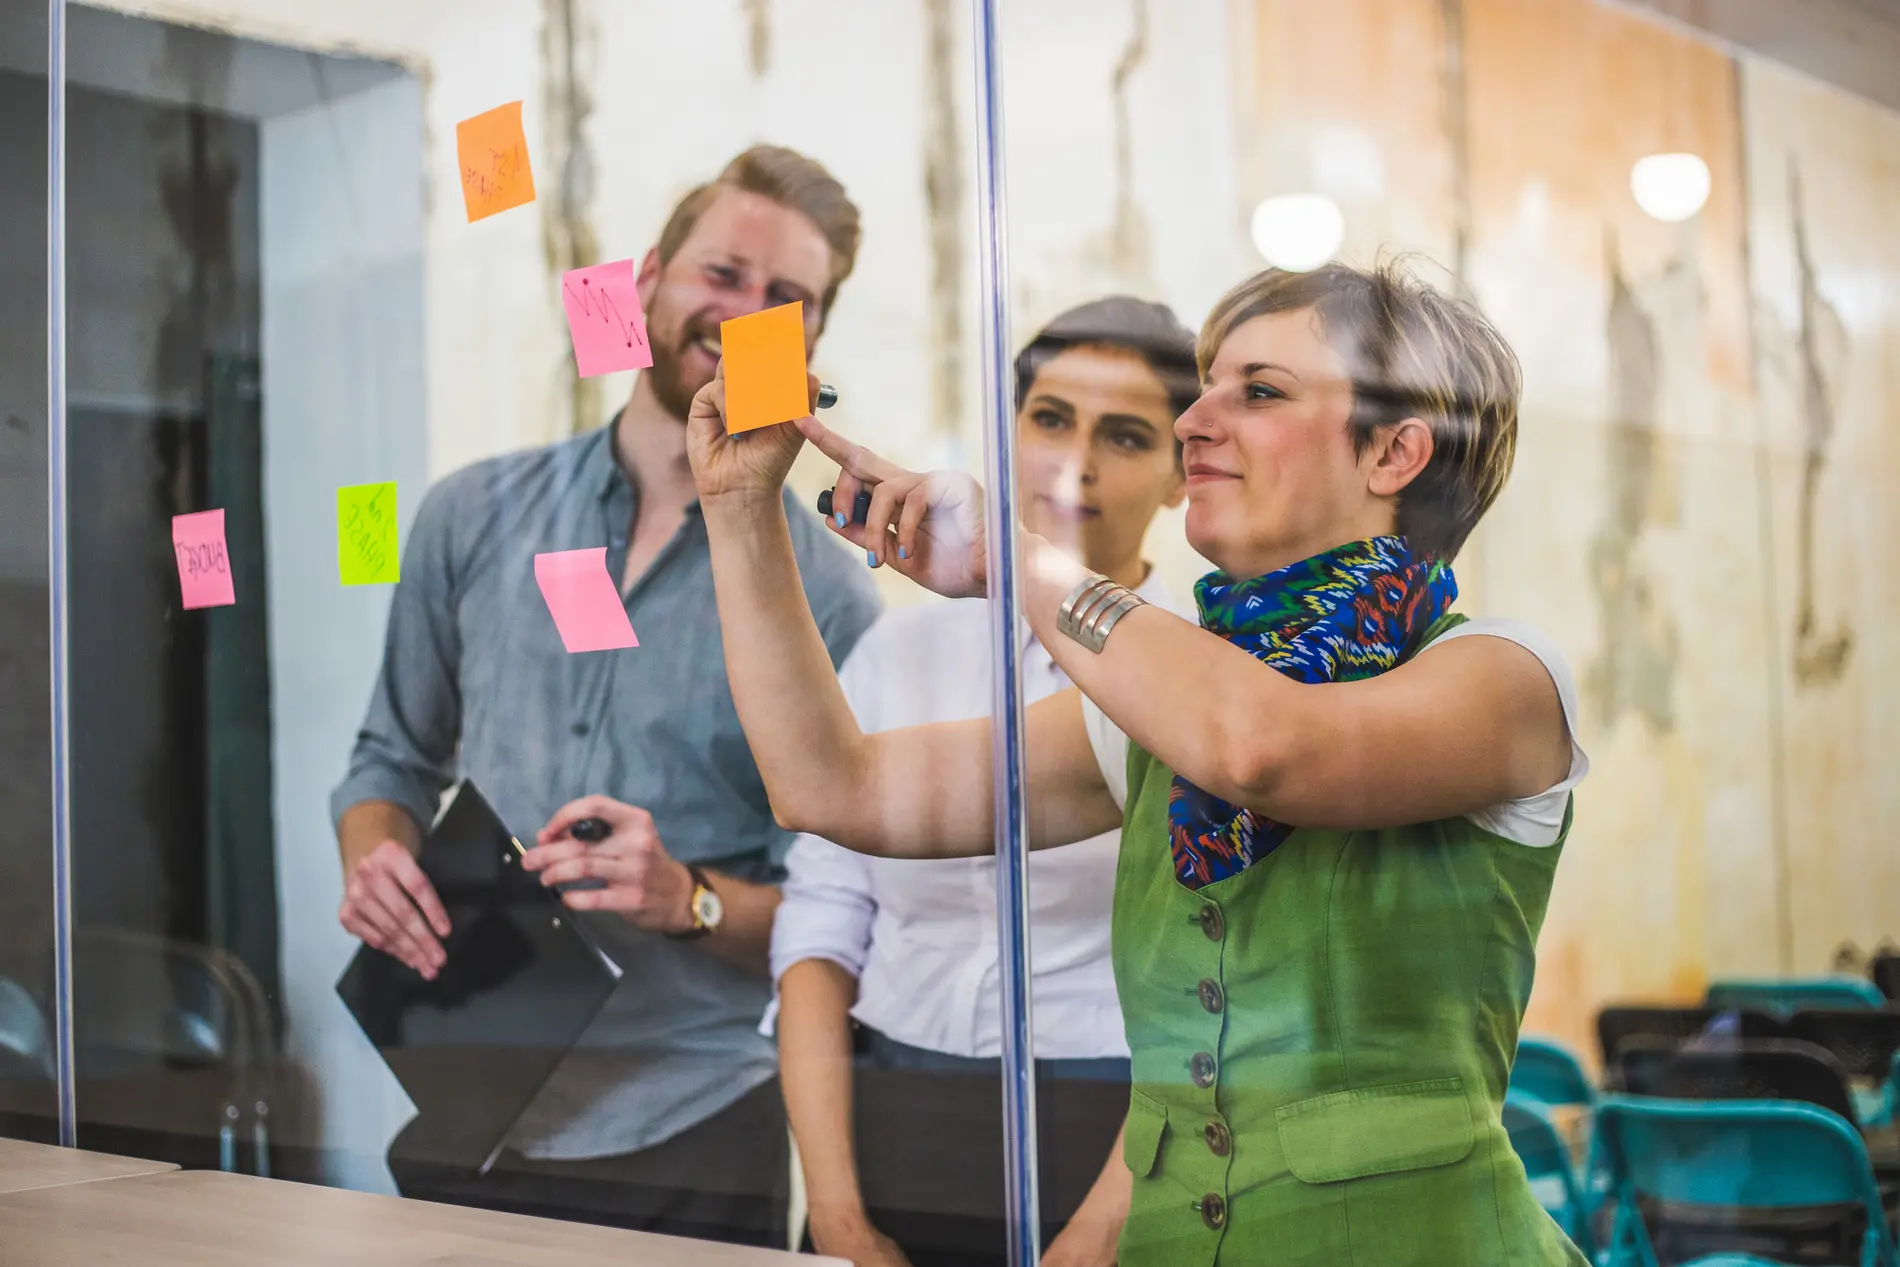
1758 1128
1799 1174
1547 1076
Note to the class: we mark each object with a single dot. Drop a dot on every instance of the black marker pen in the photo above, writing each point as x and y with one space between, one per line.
589 831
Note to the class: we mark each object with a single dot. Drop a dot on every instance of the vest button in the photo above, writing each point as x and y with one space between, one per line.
1213 1210
1211 996
1212 922
1202 1069
1219 1141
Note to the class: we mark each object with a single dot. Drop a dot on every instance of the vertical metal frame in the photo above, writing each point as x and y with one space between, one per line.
1006 704
56 561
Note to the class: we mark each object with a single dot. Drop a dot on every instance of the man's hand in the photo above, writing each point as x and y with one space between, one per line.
391 905
651 889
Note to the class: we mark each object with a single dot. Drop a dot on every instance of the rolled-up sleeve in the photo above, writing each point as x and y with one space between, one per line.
827 909
405 751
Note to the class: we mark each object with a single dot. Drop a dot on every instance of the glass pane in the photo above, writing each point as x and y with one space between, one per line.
1678 233
303 270
28 1107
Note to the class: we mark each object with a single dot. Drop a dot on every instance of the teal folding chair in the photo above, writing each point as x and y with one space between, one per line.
1743 1169
1546 1161
1783 997
1550 1072
1867 1043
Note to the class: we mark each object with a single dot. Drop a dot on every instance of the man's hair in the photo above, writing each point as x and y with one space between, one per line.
1149 330
1412 353
792 181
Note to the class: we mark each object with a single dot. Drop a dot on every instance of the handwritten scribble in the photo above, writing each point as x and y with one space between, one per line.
492 154
204 565
366 534
599 305
604 318
199 561
494 175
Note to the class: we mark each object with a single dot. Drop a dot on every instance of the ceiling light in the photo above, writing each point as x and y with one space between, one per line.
1670 187
1298 232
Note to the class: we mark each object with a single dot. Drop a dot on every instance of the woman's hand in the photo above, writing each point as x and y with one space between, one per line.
858 1241
928 526
752 462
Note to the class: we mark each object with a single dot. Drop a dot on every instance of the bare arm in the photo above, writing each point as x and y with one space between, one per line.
1090 1237
387 901
814 1059
745 935
1460 727
1463 726
916 792
367 824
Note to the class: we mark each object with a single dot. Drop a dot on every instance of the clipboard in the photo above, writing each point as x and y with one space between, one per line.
521 984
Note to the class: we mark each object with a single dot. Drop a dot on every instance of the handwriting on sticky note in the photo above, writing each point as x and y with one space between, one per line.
604 319
204 565
493 153
366 552
583 600
765 368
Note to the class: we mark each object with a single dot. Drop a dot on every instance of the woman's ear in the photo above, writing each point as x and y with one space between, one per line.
1401 452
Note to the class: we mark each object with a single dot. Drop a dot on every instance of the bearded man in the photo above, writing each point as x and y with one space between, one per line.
666 1117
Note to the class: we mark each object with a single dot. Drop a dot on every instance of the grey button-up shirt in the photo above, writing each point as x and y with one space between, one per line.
475 683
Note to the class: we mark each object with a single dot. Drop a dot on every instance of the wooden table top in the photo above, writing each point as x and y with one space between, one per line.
24 1166
204 1218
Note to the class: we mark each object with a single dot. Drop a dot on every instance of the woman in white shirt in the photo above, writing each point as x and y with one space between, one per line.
887 970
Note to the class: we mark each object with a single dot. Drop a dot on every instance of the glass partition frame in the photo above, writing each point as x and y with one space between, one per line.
998 420
1006 677
56 561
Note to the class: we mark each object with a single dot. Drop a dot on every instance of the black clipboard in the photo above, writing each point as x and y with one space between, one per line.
522 982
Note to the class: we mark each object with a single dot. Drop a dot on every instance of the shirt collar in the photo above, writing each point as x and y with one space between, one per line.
604 472
603 469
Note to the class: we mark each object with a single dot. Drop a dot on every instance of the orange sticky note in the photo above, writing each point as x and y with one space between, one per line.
765 368
493 153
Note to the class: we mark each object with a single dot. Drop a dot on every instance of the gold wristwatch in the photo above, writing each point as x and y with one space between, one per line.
708 911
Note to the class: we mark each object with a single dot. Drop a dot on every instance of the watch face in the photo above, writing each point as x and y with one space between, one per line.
708 909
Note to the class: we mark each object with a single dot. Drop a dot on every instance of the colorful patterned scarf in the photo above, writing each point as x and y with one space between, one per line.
1352 612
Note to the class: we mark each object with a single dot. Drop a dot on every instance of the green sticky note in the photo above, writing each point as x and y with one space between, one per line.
366 534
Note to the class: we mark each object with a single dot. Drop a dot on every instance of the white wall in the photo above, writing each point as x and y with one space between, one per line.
402 342
344 331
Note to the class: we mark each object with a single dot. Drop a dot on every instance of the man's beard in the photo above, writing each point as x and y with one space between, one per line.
667 375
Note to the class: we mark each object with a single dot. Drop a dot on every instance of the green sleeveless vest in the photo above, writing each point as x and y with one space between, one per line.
1321 1046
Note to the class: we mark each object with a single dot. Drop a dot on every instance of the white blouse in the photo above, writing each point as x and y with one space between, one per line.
920 936
1531 820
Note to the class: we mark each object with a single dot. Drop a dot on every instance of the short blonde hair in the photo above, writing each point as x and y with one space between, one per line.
791 180
1412 353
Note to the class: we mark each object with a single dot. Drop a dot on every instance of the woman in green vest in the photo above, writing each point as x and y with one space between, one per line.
1342 805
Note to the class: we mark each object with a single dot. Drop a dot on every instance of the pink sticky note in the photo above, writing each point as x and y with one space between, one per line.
604 318
583 601
204 567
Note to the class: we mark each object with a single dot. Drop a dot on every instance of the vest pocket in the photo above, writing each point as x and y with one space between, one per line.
1375 1130
1141 1142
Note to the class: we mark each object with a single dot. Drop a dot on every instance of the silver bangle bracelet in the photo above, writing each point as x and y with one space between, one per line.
1084 592
1093 608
